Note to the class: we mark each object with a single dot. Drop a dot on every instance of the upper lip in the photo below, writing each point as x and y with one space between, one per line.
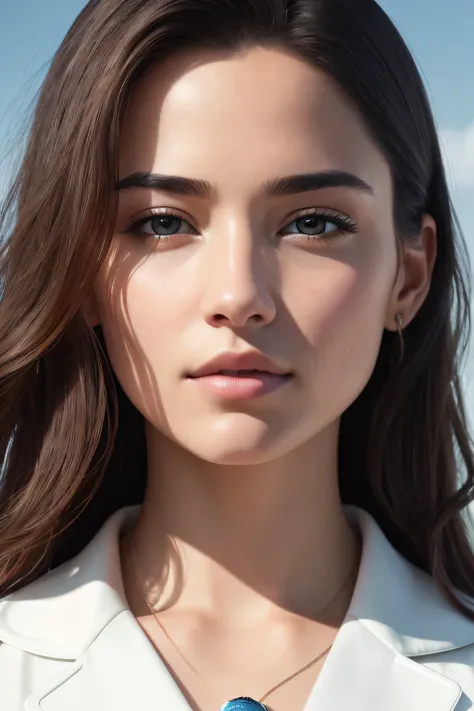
251 360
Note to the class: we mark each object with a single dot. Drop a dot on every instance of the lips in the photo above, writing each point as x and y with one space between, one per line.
239 376
241 373
239 365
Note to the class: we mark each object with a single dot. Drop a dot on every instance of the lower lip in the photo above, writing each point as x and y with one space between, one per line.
242 388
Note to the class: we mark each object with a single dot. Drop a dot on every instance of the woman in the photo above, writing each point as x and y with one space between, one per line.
272 512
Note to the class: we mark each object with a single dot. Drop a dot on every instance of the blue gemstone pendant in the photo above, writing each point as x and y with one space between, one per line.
243 703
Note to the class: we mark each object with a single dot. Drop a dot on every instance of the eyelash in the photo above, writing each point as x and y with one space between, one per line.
343 222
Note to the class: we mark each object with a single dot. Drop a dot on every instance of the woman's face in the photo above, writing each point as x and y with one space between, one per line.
240 268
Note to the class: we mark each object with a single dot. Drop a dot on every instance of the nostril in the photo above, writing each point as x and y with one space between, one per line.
221 319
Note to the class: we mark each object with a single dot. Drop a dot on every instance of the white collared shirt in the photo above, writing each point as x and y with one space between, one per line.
69 642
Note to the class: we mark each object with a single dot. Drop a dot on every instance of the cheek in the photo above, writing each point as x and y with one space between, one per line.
144 308
339 293
340 313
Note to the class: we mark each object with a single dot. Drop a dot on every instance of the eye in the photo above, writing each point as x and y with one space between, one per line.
312 225
321 225
163 224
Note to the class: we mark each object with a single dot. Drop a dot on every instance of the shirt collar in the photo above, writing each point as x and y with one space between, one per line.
400 603
63 611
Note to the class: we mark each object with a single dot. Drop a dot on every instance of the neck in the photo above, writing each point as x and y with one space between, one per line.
247 540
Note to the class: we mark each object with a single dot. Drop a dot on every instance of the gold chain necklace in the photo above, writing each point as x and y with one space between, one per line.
241 703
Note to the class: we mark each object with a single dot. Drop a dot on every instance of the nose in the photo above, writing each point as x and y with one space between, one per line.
237 289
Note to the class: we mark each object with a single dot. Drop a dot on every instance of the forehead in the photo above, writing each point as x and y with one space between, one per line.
254 114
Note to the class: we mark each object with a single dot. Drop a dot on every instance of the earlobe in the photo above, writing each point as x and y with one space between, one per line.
396 321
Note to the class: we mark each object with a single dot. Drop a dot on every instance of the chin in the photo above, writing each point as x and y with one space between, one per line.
238 439
235 457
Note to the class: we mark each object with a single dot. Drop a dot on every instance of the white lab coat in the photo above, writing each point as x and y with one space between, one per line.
68 641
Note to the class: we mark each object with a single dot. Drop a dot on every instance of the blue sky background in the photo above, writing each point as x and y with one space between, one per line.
439 33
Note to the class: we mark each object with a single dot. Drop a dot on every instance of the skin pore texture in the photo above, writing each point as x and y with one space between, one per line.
242 539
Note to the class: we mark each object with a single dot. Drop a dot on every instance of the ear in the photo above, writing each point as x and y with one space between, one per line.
417 258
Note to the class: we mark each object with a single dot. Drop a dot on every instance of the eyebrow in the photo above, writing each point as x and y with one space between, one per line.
277 187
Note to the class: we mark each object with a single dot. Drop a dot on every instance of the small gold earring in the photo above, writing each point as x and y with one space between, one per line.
399 319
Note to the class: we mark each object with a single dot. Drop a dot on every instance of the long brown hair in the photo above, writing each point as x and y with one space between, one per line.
72 443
